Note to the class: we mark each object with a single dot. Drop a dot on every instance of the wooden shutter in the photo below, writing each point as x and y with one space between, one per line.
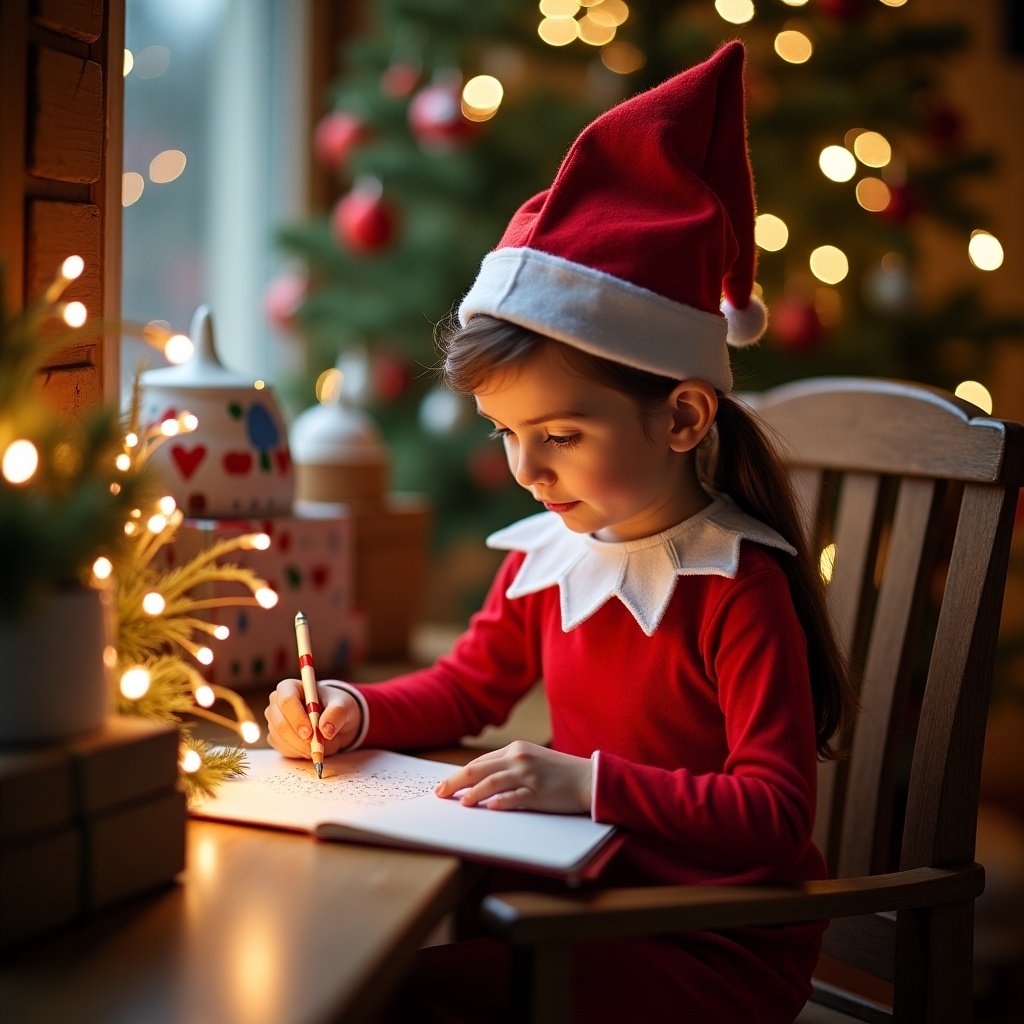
61 96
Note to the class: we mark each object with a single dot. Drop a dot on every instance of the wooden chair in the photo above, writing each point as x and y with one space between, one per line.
917 490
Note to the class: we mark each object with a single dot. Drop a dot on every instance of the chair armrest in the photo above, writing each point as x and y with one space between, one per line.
529 917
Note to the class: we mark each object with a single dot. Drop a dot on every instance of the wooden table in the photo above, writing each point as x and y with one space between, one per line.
264 928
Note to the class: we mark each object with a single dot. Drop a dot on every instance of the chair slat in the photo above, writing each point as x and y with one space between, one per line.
947 755
867 943
869 788
858 522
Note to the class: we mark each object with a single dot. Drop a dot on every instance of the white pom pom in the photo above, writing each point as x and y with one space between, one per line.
745 325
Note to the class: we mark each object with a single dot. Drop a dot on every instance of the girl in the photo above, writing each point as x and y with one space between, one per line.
664 596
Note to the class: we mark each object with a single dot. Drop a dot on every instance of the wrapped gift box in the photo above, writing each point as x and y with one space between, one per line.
310 565
86 823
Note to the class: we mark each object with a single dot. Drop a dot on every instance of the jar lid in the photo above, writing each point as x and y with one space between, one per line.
204 368
337 433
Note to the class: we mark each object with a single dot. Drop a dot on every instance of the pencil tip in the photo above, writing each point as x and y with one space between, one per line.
319 770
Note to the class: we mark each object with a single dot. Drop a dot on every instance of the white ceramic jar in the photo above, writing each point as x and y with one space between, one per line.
236 463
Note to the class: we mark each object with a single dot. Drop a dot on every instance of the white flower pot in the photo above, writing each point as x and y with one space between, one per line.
53 683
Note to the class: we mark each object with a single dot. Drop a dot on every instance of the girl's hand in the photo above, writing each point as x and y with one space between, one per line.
523 776
289 730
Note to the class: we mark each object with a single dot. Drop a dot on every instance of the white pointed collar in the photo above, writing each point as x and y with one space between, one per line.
642 574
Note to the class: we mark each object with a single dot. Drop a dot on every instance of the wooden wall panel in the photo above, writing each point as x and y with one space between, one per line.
79 19
60 172
65 123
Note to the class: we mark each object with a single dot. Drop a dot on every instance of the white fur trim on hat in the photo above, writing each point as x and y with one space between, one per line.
600 314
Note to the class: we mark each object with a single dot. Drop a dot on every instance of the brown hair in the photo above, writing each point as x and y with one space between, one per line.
740 461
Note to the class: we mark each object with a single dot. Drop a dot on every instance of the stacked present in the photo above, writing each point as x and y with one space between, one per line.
86 823
352 559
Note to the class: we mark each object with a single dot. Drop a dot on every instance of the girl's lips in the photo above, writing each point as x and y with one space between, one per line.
560 506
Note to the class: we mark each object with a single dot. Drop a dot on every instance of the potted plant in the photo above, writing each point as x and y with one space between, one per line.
65 493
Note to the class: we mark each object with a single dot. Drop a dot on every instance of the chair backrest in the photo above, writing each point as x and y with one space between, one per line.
910 495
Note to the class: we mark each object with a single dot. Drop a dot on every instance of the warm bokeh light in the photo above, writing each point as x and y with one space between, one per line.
131 439
255 541
837 163
827 562
558 31
167 505
134 683
872 149
596 28
156 523
205 696
188 421
888 3
123 462
75 314
129 63
623 58
559 8
72 268
829 264
191 762
736 12
20 462
102 568
793 46
873 194
259 385
132 186
265 597
795 3
153 603
221 632
328 386
481 97
178 349
170 427
167 166
204 655
250 731
770 232
975 393
985 250
614 11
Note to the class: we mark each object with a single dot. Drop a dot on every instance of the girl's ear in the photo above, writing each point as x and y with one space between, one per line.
693 406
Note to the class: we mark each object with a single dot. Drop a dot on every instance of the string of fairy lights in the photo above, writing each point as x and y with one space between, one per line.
163 641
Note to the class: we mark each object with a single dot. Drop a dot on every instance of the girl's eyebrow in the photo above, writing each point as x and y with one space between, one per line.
565 414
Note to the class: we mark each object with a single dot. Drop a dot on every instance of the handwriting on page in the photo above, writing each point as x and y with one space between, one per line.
356 788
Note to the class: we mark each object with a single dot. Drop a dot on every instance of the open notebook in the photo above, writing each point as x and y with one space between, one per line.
383 798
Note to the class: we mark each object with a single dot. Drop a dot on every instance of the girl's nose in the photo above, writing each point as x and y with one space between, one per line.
529 468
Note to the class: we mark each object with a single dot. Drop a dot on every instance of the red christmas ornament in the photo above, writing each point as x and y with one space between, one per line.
795 326
361 220
845 10
435 117
282 299
334 137
399 80
390 376
488 468
902 205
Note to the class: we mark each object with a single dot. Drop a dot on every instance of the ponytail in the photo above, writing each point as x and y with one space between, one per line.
744 464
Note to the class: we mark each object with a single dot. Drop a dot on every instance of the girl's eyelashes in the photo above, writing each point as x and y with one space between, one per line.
557 440
567 441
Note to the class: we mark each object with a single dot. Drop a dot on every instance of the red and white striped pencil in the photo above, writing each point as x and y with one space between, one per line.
313 708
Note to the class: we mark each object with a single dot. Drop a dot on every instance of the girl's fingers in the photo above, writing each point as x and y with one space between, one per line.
491 786
293 711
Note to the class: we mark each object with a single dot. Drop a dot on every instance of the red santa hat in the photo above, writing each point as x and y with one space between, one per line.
642 250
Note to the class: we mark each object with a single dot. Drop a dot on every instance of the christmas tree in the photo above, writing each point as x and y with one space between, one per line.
447 114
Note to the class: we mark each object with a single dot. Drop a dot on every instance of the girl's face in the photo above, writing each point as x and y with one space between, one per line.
580 448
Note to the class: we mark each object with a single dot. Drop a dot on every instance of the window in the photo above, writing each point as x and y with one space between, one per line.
214 161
